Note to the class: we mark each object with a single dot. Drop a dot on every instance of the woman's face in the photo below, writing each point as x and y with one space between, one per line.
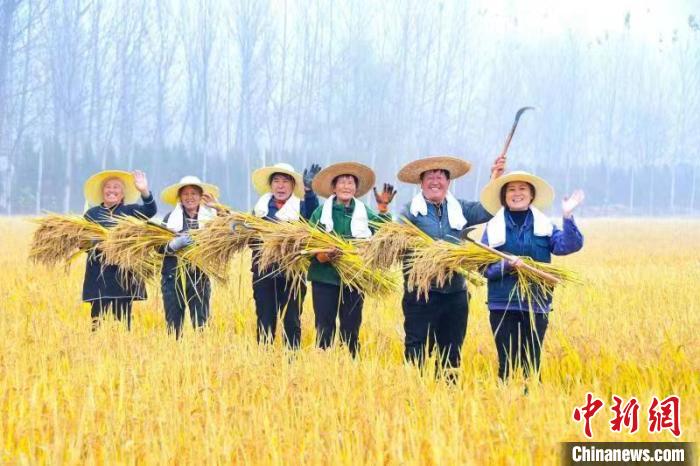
345 188
190 197
518 195
281 186
112 192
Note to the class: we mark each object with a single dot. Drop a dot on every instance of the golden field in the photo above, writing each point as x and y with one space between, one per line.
68 396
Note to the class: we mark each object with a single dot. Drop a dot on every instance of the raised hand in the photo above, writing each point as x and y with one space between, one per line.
498 167
309 174
385 197
141 182
570 203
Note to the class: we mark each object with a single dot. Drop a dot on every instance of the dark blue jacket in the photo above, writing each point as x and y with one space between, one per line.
437 225
502 294
104 281
308 205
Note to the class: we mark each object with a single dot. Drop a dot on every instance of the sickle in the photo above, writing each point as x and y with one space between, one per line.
518 114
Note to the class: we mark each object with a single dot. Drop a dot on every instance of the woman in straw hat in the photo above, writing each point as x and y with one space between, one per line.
520 228
109 194
285 195
441 318
344 214
192 291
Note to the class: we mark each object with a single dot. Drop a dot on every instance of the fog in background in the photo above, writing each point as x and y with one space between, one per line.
219 88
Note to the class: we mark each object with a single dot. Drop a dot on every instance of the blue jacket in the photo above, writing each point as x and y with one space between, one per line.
103 281
307 207
502 294
437 225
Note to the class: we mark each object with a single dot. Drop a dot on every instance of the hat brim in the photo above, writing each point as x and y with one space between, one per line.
491 194
170 194
261 180
323 179
410 173
93 187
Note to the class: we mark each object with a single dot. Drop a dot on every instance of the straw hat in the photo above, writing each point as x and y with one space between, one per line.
491 194
324 178
170 195
410 173
93 186
261 178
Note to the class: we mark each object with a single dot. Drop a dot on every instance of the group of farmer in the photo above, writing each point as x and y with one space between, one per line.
510 204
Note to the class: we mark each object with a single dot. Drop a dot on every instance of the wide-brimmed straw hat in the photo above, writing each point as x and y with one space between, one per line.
93 186
410 173
324 178
261 178
171 194
491 194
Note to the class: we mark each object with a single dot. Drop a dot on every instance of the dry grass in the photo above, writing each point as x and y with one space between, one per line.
71 397
59 238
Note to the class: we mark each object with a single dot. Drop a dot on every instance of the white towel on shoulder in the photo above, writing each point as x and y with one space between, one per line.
177 216
359 223
496 227
454 209
289 212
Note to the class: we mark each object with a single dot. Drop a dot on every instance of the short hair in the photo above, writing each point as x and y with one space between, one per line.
445 172
114 178
286 175
198 188
335 179
533 191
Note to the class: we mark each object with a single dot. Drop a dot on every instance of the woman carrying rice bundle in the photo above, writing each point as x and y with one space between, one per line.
193 289
520 228
110 194
440 319
345 215
285 196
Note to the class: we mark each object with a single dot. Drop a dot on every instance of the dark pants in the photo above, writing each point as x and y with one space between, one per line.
519 337
331 302
439 323
177 296
120 307
273 296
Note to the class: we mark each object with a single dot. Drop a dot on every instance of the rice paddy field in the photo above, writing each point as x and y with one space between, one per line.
68 396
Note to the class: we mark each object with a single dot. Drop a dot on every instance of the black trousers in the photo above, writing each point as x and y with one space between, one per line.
438 323
332 302
194 294
273 296
519 336
120 307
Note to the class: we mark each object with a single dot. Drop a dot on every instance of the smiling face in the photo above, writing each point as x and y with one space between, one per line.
281 186
434 184
344 188
518 195
190 197
112 192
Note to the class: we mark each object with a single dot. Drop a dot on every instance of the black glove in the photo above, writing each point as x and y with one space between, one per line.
309 174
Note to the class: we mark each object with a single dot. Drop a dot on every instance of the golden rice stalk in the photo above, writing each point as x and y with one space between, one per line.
216 243
60 238
136 247
391 242
292 244
531 288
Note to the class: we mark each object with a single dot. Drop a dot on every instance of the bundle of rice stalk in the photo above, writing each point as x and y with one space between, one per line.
218 241
436 264
136 247
60 238
391 242
532 288
292 244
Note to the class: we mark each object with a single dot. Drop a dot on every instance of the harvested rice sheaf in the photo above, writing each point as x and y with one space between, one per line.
59 238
